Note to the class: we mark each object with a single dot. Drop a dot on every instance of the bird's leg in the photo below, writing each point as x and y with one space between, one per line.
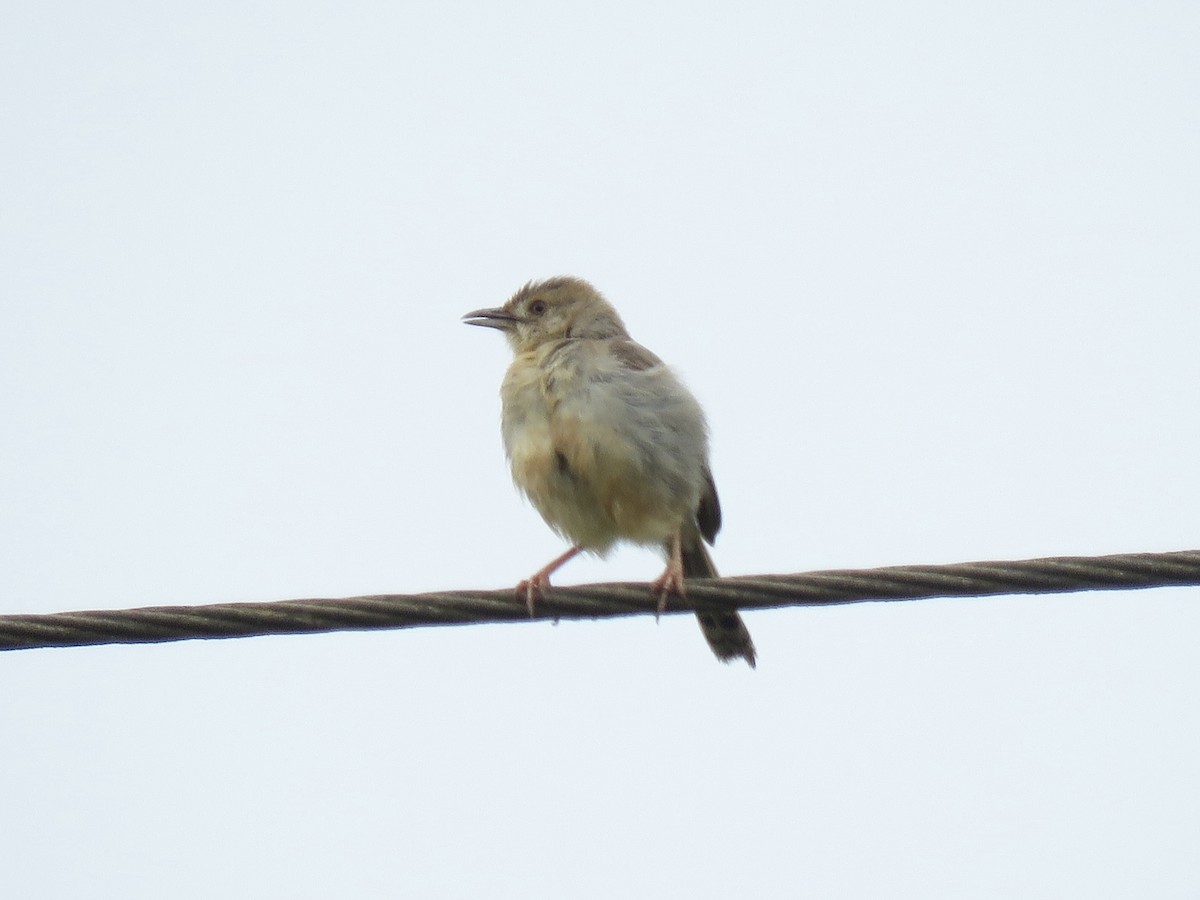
671 581
532 587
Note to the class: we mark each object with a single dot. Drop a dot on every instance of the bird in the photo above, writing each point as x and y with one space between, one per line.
607 443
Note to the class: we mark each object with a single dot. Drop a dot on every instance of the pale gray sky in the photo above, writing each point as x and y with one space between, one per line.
931 268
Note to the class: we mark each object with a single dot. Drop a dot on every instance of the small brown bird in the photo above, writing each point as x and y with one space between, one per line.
607 443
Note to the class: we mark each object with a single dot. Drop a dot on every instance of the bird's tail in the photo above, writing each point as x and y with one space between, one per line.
725 632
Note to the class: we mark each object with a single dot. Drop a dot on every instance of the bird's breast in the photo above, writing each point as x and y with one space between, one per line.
578 466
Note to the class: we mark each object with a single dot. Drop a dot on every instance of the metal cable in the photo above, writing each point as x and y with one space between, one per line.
594 601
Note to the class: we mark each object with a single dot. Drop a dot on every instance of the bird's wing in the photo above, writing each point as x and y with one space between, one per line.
633 355
708 515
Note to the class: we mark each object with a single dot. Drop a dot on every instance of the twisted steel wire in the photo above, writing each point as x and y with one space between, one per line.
594 601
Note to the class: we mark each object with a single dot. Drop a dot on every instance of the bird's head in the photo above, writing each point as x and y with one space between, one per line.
551 310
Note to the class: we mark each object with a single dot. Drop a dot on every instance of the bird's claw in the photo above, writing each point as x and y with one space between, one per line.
532 590
670 582
535 586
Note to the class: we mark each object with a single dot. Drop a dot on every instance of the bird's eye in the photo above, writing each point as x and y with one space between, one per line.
537 307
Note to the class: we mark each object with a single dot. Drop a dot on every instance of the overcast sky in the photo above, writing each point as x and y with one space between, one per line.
930 267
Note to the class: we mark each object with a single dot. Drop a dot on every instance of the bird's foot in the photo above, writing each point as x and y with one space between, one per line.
670 582
535 586
532 590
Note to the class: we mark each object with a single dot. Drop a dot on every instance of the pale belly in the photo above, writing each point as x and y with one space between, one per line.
590 487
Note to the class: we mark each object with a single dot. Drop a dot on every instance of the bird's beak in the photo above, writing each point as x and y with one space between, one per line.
497 317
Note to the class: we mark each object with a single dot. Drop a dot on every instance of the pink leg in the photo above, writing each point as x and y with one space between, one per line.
671 581
539 581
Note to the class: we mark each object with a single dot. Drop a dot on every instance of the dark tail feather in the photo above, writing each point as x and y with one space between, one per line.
725 631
